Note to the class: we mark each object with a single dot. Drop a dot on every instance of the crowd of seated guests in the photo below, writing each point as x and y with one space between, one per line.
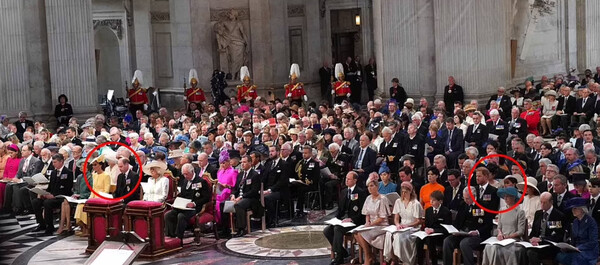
354 158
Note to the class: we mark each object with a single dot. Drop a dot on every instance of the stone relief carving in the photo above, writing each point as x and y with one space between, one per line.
223 14
323 7
115 24
160 17
296 11
232 43
526 18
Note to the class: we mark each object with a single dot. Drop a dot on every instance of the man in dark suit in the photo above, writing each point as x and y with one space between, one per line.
503 101
405 173
205 167
246 195
473 220
487 195
517 126
61 183
22 124
126 182
275 179
565 108
561 195
72 136
453 192
498 128
435 216
453 93
349 141
477 133
351 201
588 137
338 165
594 206
389 149
307 174
584 108
547 225
454 144
363 161
325 76
193 188
397 92
415 146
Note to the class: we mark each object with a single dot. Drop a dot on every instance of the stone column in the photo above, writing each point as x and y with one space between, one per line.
143 41
260 41
202 42
181 42
404 45
71 53
588 36
471 45
279 44
14 73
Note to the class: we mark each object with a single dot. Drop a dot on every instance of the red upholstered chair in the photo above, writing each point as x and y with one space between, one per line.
104 218
147 220
207 214
172 187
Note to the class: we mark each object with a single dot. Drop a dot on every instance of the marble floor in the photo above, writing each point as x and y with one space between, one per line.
20 246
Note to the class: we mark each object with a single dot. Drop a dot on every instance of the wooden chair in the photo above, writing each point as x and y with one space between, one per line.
249 214
207 214
172 187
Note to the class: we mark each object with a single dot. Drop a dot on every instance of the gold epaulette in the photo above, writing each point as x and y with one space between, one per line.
253 86
239 86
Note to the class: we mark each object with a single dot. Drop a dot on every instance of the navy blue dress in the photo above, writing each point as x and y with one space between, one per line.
584 236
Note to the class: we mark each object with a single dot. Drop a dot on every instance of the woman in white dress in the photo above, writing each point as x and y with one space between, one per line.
158 184
408 212
531 202
512 224
376 210
549 107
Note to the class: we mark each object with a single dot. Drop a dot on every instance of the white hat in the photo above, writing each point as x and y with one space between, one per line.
162 166
244 73
176 153
409 100
339 70
531 184
193 75
139 76
295 71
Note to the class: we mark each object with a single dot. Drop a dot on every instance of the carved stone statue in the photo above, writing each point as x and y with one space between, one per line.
232 44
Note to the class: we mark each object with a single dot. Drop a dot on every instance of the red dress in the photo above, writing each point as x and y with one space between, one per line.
533 119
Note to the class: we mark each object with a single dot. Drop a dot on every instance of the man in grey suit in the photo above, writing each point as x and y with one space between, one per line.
29 166
350 140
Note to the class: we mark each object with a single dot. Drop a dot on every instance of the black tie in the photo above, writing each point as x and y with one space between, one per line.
544 223
435 211
592 204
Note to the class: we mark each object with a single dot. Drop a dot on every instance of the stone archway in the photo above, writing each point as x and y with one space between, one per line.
108 62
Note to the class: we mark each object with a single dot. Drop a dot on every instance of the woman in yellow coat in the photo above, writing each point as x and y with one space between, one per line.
101 183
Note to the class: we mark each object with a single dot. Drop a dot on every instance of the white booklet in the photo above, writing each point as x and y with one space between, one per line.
105 195
39 178
422 234
494 241
361 228
293 180
529 245
339 222
450 228
39 191
181 203
564 246
394 229
71 199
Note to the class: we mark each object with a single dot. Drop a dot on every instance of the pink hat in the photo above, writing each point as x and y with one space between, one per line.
13 147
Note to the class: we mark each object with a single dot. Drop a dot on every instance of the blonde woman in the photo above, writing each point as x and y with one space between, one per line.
158 184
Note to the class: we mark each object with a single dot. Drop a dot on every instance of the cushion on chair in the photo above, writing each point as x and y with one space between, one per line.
206 218
101 202
144 204
171 243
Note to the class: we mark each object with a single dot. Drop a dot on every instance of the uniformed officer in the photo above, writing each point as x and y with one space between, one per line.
137 95
341 88
246 90
307 176
194 94
295 90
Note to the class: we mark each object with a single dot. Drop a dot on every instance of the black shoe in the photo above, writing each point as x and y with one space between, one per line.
334 262
40 228
241 233
329 207
49 232
300 214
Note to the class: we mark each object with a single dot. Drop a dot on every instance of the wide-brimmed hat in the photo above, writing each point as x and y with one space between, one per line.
470 107
89 140
575 203
510 191
579 178
175 153
409 101
550 93
531 184
160 166
516 177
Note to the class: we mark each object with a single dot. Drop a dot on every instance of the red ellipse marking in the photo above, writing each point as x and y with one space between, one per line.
137 158
522 195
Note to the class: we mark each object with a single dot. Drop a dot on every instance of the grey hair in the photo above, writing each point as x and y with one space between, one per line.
553 166
386 130
545 161
334 146
473 150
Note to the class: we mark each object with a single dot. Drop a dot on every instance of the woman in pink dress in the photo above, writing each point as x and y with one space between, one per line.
11 168
226 176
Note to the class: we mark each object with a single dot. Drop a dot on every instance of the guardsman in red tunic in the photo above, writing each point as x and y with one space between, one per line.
340 88
194 94
295 90
246 90
137 95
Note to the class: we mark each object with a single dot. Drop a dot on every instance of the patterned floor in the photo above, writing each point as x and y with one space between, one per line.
15 238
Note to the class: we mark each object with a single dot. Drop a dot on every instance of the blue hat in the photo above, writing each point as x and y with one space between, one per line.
145 150
128 118
511 191
384 168
203 139
182 138
160 149
575 202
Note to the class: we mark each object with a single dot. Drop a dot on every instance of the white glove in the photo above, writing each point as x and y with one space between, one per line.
305 98
332 91
289 95
145 106
348 95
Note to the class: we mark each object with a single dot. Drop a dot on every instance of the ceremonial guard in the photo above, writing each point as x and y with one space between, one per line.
341 88
295 90
246 90
194 94
137 95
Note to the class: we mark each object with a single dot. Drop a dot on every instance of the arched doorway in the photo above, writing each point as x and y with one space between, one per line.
108 64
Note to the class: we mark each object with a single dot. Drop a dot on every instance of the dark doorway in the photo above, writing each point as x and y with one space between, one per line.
342 46
345 40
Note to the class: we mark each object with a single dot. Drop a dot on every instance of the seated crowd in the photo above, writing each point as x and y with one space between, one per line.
448 165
